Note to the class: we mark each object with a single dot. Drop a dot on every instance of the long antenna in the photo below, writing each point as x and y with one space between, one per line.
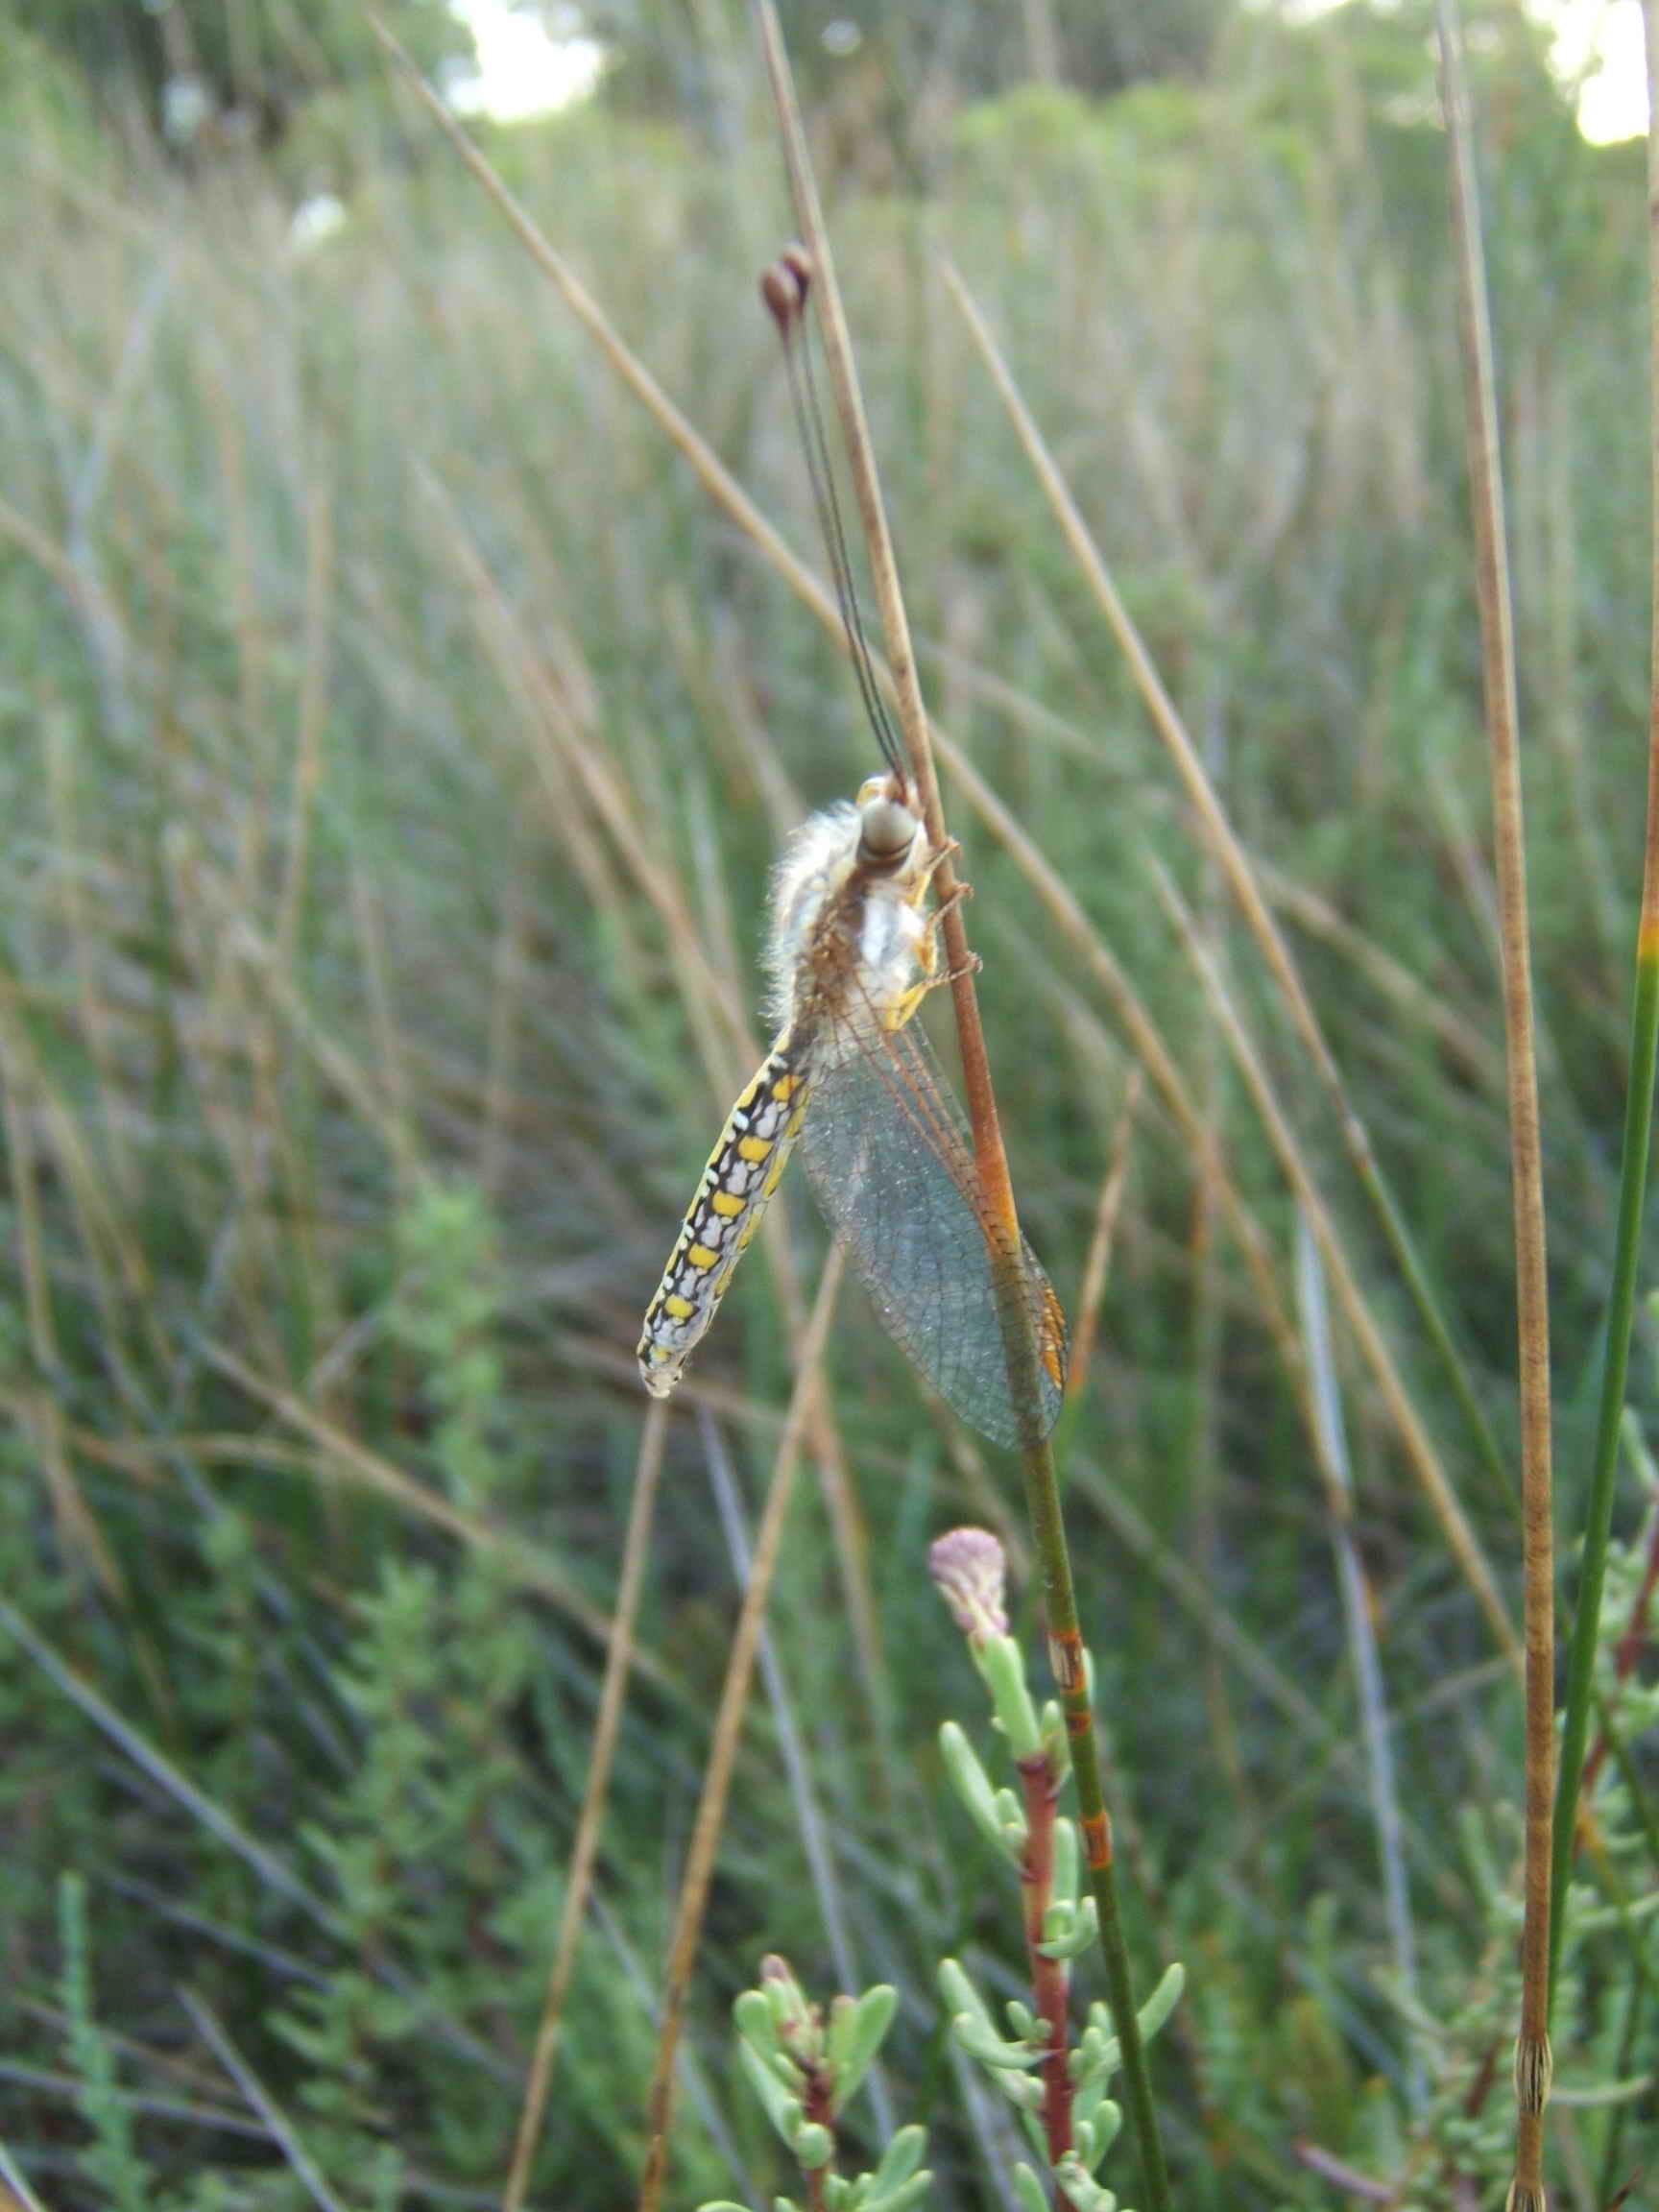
784 287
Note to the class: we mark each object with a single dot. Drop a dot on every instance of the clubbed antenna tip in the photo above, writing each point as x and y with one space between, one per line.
784 284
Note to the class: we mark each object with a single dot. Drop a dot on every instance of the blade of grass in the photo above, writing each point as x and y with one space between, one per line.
1632 1195
1407 996
1458 1533
269 1869
1099 1256
1223 842
300 2164
792 1751
1357 1620
70 2087
1533 2060
584 1852
711 1815
313 714
356 1463
11 2174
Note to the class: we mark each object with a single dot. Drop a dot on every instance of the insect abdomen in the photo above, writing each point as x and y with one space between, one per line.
740 1177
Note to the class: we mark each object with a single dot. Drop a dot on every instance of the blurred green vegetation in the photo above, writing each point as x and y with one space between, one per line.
356 1068
262 61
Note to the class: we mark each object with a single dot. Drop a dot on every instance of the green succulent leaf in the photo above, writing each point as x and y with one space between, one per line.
1153 2014
855 2035
910 2191
991 2049
814 2146
899 2199
1029 2190
781 2105
973 1786
900 2158
1098 2133
959 1994
754 2020
1011 1814
1070 1930
1066 1862
1100 2049
1082 2193
784 1996
1003 1663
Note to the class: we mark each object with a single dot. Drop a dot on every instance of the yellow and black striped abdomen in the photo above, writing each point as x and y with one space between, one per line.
740 1177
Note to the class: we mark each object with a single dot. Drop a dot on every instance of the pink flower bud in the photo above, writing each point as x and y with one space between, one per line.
969 1568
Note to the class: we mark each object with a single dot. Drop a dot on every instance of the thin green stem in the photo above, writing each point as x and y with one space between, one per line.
1616 1360
1627 1240
1064 1652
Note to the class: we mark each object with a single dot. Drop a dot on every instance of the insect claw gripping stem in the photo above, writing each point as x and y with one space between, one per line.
971 966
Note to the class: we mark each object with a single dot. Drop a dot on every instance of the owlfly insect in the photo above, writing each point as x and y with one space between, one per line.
853 950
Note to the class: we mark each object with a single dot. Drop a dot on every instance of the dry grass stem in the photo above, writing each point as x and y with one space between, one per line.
711 1815
1454 1523
346 1457
1098 1262
1358 1618
1532 2061
313 716
1471 1049
1224 845
300 2164
585 1851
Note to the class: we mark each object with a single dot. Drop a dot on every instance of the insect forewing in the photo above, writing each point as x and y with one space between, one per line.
890 1160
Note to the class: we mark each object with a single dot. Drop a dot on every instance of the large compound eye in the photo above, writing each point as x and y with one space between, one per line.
887 832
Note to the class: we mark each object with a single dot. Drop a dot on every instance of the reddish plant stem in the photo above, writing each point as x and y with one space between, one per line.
1048 1975
817 2105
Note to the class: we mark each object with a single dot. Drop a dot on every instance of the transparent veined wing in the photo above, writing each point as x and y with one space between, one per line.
887 1149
